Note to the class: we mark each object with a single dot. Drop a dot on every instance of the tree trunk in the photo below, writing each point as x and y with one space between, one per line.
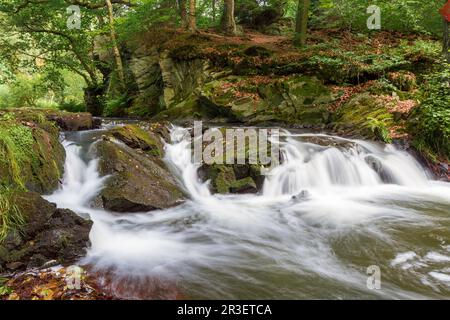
228 23
183 14
446 43
214 10
116 52
301 22
192 25
93 98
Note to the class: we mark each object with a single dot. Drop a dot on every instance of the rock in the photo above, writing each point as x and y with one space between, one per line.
31 155
301 196
232 178
73 121
139 182
47 234
246 185
138 138
299 99
365 115
403 80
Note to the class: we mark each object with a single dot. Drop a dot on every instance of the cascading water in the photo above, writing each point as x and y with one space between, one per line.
326 214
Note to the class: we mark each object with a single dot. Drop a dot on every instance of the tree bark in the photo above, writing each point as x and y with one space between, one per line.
192 25
116 51
301 23
446 40
183 14
228 23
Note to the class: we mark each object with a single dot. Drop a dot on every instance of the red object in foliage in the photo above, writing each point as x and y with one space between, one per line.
445 11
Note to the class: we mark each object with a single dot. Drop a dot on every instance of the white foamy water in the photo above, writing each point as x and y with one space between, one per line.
324 215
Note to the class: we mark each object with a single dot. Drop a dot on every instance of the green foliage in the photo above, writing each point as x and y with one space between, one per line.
430 122
16 141
398 15
11 218
115 107
379 128
72 106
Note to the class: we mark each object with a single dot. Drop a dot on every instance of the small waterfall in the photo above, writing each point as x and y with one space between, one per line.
325 214
322 168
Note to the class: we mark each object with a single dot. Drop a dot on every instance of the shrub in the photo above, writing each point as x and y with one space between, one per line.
430 121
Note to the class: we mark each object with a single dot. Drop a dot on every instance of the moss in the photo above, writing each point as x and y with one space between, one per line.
136 137
222 177
11 218
30 153
365 115
403 80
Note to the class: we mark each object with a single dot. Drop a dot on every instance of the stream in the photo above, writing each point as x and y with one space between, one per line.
324 215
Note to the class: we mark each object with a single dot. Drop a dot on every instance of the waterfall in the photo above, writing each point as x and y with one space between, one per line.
325 214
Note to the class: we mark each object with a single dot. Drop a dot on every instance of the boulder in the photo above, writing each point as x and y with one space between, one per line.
68 121
31 155
138 181
136 137
45 234
366 116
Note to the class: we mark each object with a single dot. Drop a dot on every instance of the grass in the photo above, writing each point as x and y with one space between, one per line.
11 218
16 141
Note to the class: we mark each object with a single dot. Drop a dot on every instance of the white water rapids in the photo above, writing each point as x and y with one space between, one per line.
324 215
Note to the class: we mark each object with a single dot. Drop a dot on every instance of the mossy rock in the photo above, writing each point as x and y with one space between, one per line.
138 138
137 181
299 99
32 156
366 116
403 80
47 234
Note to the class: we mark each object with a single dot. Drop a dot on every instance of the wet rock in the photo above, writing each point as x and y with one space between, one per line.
138 181
301 196
232 178
73 121
138 138
365 115
47 234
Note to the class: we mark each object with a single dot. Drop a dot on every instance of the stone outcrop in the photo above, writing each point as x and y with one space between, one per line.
139 180
48 235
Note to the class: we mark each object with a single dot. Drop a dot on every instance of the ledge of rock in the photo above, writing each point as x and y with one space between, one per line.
48 234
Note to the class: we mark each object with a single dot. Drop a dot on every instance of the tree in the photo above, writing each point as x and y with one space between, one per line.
301 22
40 31
445 11
228 23
446 41
192 25
116 51
183 14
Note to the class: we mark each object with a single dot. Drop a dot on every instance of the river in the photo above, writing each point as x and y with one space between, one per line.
325 215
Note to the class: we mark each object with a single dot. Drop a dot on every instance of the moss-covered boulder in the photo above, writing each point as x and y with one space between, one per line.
138 180
43 234
403 80
297 99
366 116
31 155
232 178
137 138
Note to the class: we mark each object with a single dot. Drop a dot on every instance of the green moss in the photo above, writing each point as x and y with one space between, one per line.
30 153
136 137
367 116
11 218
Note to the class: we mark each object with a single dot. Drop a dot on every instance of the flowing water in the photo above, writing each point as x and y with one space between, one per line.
324 216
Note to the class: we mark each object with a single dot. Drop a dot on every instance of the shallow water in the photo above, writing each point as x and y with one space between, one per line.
358 204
